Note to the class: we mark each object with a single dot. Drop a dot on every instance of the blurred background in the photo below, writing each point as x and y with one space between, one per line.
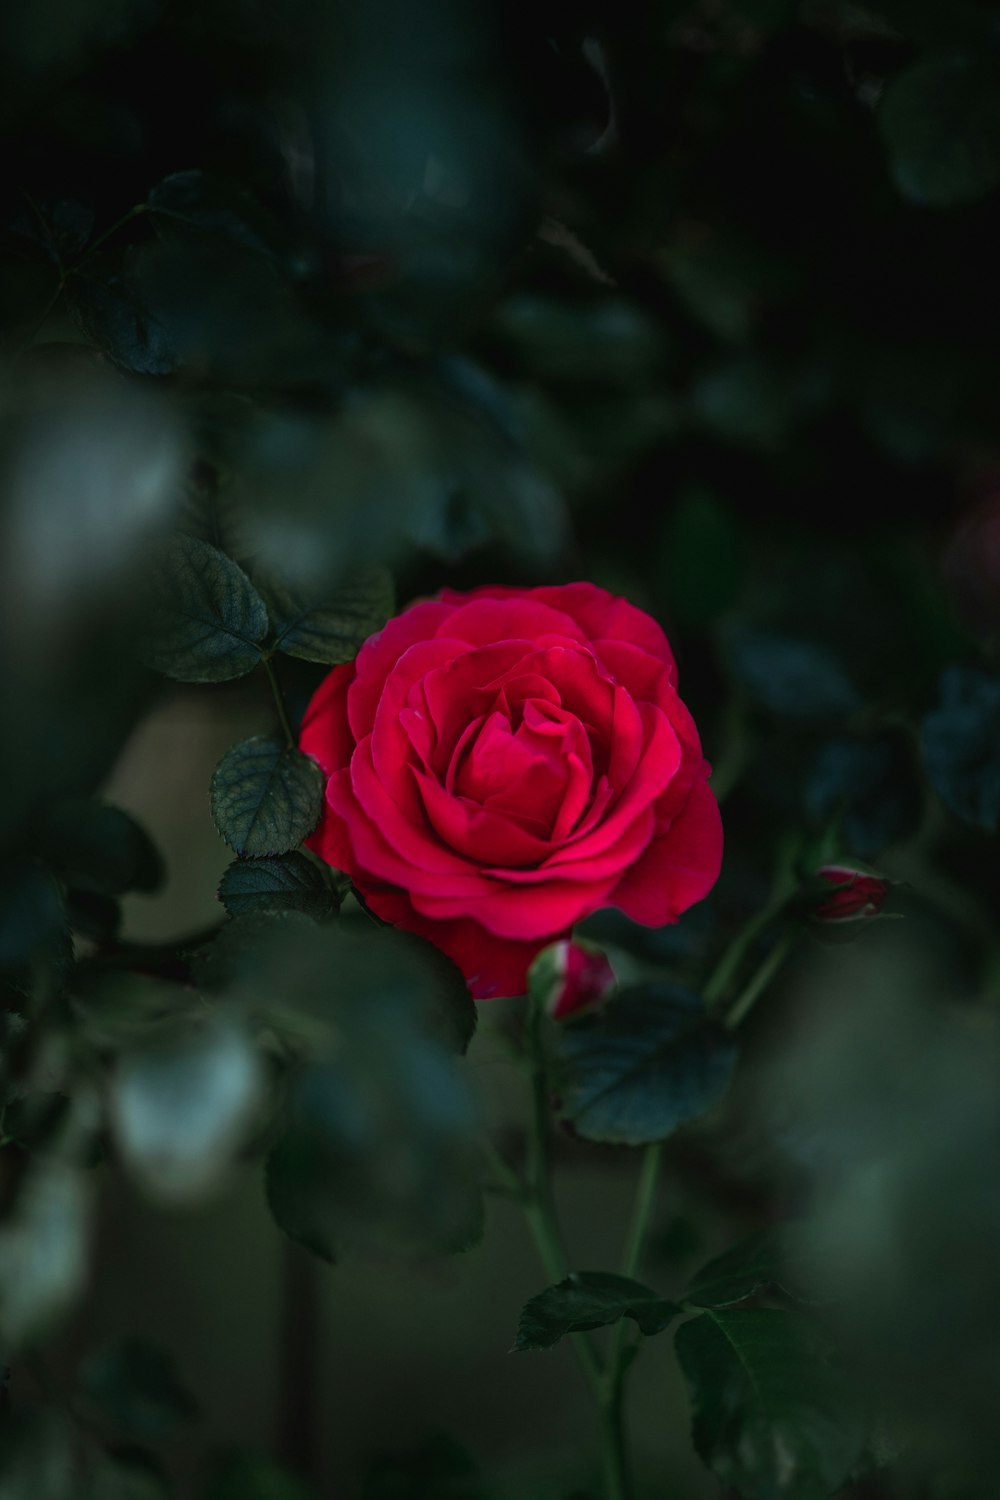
693 299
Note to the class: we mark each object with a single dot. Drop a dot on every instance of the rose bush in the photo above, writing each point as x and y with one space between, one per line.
501 763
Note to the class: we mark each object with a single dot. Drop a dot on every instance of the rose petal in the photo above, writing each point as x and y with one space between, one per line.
678 869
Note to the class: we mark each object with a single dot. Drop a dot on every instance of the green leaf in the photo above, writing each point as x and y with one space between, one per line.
212 205
590 1299
794 678
287 882
99 848
960 740
330 630
134 1387
251 1476
650 1062
207 620
940 124
754 1264
773 1417
183 1105
43 1251
266 798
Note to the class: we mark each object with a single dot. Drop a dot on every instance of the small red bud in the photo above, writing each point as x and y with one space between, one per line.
859 894
570 978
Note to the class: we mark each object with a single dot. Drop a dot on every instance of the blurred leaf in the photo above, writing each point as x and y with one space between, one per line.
266 797
439 1469
36 1457
252 1476
207 619
201 201
772 1417
961 745
875 783
133 1385
288 882
940 124
114 315
795 678
650 1062
183 1104
590 1299
235 950
99 848
609 341
129 1474
31 911
378 1142
702 548
122 1009
331 630
43 1250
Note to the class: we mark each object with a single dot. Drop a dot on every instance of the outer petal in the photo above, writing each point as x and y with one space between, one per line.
325 733
678 869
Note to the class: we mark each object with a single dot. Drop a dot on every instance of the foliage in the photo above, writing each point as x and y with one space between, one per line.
304 313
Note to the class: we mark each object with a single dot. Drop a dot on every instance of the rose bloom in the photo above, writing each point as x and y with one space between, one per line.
501 763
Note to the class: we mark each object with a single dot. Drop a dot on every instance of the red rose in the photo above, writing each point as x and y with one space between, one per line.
502 763
859 894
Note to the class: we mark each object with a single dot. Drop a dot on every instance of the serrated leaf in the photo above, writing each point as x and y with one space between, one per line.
773 1417
590 1299
753 1264
266 797
960 740
99 848
794 678
207 620
331 630
135 1388
287 882
940 124
183 1104
650 1062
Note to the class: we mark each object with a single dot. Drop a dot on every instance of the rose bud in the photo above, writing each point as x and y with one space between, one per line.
859 894
569 978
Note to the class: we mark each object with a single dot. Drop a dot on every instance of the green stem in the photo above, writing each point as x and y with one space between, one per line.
613 1393
721 978
759 982
279 703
